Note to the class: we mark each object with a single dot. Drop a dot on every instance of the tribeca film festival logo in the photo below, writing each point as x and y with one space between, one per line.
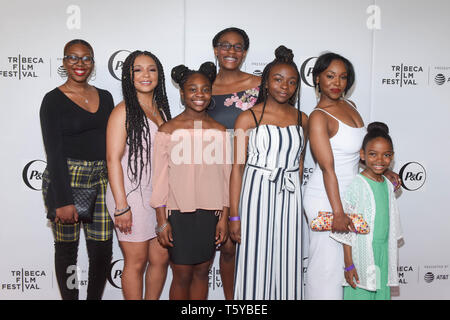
413 176
214 279
32 174
22 67
403 75
25 280
404 273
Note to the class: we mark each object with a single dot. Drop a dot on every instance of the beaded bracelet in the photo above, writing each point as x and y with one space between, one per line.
236 218
159 229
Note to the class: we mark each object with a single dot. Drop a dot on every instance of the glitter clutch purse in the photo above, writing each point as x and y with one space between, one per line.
324 221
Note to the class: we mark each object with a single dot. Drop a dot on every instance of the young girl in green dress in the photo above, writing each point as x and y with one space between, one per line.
371 259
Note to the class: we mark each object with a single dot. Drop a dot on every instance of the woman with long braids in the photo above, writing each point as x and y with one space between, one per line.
130 134
265 188
234 91
73 120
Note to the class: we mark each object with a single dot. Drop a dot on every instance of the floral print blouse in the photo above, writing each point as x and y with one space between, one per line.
226 108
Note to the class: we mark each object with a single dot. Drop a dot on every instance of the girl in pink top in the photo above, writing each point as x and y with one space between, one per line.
191 171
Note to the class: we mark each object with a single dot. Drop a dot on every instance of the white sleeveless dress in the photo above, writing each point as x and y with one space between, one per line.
268 260
323 280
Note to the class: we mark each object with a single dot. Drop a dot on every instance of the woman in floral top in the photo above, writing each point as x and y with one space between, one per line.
233 91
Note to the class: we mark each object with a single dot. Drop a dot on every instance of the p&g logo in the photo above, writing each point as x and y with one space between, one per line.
32 174
413 176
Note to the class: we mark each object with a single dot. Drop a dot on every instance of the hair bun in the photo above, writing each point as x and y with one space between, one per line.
284 54
209 70
378 126
179 72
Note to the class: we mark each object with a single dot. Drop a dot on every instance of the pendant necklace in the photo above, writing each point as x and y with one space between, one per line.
148 108
73 91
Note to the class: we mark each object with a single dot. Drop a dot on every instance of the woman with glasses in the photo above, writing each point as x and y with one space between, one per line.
233 92
73 121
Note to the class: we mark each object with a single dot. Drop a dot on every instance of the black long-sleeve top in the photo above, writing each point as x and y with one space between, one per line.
69 131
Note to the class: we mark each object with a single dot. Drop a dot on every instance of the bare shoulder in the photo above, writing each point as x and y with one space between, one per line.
245 120
118 114
304 117
216 125
119 108
167 127
255 80
317 122
317 116
353 104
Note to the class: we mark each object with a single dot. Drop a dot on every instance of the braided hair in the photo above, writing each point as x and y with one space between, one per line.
283 55
180 74
136 122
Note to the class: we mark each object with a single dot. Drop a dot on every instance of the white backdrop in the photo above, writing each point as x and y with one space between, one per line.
399 50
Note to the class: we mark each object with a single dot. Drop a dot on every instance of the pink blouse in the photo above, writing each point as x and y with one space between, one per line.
191 170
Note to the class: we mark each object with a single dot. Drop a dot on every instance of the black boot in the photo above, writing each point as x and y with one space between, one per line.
66 269
100 256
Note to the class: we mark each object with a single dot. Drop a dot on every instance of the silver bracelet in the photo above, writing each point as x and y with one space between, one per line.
159 229
119 211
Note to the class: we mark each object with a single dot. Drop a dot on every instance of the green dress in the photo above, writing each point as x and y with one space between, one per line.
380 247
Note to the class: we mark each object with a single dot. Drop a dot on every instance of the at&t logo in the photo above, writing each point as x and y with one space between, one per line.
413 176
428 277
440 75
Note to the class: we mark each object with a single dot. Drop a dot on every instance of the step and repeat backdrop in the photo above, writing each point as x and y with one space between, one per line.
399 50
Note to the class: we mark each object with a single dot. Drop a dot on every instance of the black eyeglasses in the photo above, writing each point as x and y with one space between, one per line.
72 59
227 46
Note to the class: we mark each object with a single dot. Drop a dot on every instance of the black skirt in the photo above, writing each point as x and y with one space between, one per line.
193 236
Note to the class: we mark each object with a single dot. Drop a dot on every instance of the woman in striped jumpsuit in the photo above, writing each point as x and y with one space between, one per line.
265 217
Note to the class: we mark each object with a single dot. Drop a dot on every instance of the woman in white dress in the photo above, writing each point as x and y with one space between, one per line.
336 132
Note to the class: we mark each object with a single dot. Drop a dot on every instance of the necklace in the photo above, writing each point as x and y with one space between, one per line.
371 178
153 112
73 91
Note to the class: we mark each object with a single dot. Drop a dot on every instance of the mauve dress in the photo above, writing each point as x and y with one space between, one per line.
138 197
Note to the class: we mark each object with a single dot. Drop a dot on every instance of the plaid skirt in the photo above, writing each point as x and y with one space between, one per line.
85 174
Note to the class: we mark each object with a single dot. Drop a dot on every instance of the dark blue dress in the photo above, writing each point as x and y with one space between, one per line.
226 108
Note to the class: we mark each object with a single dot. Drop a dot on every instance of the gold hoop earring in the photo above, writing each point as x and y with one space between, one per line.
317 91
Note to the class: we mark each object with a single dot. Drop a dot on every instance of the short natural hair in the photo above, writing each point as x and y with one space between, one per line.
241 32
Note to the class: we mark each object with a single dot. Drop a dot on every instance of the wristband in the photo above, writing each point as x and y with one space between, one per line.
236 218
351 267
